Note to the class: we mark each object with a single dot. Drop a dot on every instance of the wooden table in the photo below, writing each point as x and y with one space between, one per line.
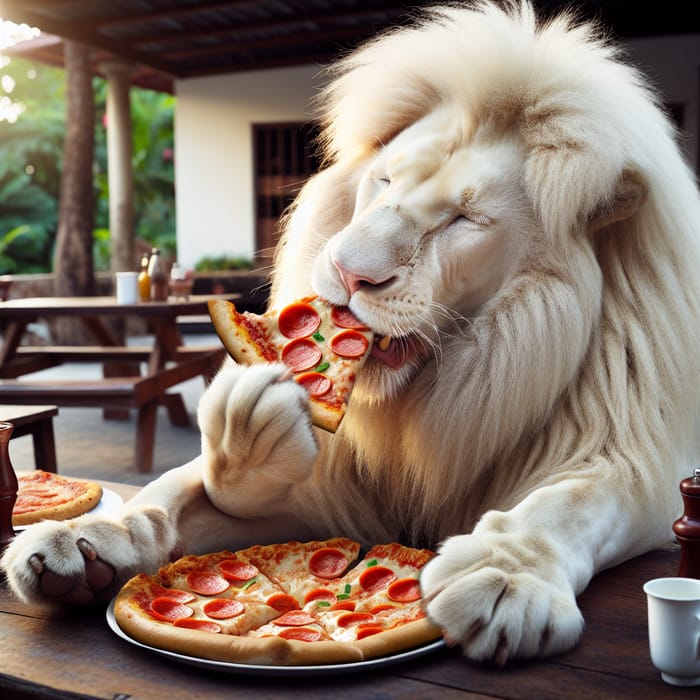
36 421
59 655
168 361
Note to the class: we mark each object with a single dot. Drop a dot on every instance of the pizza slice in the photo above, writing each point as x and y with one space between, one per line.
380 598
305 570
324 346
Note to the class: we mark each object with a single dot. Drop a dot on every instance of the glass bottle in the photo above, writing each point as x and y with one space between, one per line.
144 281
8 486
159 279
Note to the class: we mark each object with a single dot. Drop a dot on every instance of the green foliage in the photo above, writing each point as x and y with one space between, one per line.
223 263
31 156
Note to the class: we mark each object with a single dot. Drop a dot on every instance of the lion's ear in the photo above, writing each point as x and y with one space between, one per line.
629 196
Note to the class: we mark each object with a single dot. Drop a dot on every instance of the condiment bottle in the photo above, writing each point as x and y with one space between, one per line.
687 527
8 486
144 281
159 279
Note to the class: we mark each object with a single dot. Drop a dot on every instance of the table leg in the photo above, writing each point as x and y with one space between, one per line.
177 412
45 446
145 436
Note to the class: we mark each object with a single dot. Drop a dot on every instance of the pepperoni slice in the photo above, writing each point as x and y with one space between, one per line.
302 634
298 320
206 583
382 607
350 343
320 595
354 618
368 630
203 625
344 318
376 578
223 608
328 563
282 602
343 605
294 618
236 570
315 383
172 593
301 354
405 590
170 610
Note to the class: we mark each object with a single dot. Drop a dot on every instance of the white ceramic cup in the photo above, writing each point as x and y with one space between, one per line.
673 606
127 287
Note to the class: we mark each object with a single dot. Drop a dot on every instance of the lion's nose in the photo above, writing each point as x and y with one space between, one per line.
353 281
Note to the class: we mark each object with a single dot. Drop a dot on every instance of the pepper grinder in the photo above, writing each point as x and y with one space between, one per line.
8 486
687 527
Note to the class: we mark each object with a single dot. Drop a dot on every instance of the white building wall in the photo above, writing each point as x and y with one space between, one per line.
214 154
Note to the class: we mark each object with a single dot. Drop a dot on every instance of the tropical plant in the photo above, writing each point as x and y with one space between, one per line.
31 156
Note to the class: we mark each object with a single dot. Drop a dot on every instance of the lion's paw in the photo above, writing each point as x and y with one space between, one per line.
500 598
257 436
87 559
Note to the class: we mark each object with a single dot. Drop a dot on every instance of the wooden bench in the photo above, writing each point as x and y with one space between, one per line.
144 393
36 421
28 358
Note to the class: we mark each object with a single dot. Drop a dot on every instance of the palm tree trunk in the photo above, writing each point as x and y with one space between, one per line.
73 260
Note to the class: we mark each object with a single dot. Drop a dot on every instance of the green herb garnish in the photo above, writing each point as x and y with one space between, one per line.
323 604
342 596
318 337
248 584
372 562
322 367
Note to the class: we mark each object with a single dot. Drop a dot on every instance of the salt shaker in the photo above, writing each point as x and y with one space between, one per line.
8 486
687 527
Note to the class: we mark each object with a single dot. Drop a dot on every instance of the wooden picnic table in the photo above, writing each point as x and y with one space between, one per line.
167 360
76 654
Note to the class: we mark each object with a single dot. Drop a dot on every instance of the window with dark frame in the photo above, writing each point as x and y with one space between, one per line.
285 155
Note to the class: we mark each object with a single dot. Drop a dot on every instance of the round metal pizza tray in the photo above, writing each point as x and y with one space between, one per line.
107 505
257 670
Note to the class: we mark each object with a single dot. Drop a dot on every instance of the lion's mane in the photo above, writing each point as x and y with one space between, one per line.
588 357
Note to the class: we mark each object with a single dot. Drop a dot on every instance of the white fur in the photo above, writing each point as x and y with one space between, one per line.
508 199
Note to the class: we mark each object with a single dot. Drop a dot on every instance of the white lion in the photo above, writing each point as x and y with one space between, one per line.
506 201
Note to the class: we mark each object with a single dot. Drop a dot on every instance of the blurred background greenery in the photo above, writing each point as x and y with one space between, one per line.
31 157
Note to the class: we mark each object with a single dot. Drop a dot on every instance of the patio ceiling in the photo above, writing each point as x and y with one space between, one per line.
167 39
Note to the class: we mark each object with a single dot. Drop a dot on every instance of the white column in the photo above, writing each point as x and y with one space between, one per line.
119 172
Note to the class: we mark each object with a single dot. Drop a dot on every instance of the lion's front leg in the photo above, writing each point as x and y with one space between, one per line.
508 589
89 558
257 439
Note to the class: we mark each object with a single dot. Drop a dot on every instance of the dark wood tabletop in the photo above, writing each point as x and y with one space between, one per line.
75 654
48 307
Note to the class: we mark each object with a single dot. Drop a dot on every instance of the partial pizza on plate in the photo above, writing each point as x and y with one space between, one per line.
291 604
324 346
47 496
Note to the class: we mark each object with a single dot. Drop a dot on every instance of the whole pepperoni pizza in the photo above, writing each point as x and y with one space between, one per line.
323 345
298 603
47 496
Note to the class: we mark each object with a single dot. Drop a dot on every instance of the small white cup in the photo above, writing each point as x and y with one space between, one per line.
127 287
673 606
